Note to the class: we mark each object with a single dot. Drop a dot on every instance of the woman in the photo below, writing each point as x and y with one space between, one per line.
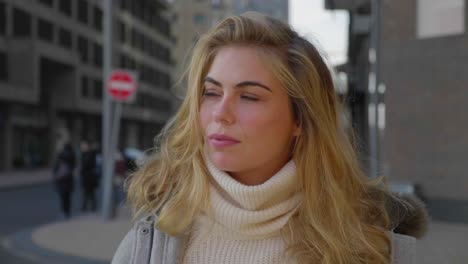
89 179
256 168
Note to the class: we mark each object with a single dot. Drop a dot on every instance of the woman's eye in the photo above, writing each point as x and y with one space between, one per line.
249 97
209 93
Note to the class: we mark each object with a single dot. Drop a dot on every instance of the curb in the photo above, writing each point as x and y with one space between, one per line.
7 187
24 178
21 245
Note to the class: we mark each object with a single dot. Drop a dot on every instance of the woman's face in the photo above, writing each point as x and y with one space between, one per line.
246 116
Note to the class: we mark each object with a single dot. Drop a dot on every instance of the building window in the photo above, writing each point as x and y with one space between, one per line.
166 55
134 38
122 30
3 66
21 23
83 49
123 61
153 49
131 64
155 78
65 38
162 25
65 7
166 80
140 39
124 4
49 3
84 87
97 51
162 53
45 30
199 19
155 103
140 9
3 19
142 42
97 89
83 11
97 18
437 18
143 73
139 69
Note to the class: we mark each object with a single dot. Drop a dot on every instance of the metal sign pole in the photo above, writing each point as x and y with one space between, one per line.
115 128
107 171
114 141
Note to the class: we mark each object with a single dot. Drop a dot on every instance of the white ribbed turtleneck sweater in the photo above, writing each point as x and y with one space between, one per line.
245 221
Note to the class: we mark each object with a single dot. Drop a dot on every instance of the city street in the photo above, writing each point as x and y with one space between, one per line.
28 207
328 90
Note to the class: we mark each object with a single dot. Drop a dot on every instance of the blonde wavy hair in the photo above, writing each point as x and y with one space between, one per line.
342 218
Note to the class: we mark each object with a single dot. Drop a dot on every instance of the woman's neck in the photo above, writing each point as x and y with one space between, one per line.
253 211
258 175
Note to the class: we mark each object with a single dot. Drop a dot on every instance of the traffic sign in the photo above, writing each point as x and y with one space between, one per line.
121 85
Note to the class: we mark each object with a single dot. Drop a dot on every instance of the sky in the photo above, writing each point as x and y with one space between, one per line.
327 28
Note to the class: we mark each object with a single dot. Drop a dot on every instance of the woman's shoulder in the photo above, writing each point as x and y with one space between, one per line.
408 215
409 221
144 240
137 239
403 249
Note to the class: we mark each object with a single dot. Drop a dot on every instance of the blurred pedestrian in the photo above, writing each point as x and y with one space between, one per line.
256 166
63 168
98 169
89 177
120 174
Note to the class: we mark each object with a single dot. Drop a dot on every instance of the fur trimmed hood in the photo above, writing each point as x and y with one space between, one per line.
408 215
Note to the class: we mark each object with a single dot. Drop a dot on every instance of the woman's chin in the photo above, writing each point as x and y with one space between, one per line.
224 162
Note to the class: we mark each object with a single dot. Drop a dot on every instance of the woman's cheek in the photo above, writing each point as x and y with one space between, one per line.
204 116
254 121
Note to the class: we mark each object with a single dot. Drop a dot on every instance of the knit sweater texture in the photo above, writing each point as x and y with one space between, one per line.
244 223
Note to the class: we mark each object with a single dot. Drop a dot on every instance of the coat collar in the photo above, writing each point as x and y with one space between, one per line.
408 215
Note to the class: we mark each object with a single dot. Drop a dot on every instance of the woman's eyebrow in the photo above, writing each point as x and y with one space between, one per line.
241 84
253 83
213 81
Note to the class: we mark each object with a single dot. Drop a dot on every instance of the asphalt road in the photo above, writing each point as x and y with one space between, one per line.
29 207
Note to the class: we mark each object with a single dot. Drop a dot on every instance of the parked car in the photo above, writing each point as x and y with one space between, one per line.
133 158
126 160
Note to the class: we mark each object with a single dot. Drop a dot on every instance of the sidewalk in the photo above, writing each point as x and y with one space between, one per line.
86 239
444 243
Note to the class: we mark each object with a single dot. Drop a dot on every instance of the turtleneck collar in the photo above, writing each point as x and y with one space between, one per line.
254 211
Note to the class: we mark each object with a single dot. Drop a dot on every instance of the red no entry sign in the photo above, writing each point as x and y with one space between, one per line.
121 85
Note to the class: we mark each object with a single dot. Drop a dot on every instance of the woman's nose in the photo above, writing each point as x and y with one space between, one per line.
223 111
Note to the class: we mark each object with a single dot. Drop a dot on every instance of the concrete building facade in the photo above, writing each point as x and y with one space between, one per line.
278 9
426 139
424 51
51 80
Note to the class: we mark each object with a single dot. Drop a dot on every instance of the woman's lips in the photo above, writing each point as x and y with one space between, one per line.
219 140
